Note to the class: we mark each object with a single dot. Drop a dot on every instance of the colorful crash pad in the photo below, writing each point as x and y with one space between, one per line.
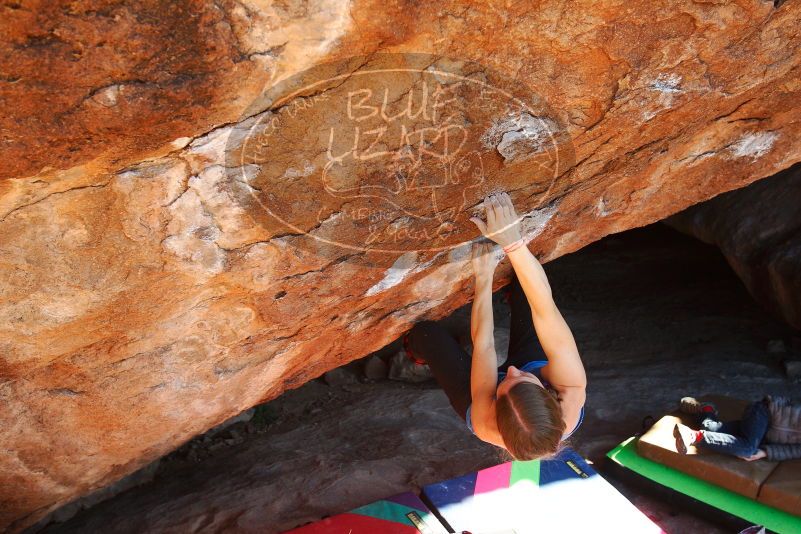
404 513
562 494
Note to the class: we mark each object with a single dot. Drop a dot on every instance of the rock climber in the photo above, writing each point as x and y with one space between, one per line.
769 428
535 400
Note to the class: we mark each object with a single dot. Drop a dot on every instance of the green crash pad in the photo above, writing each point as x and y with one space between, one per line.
626 456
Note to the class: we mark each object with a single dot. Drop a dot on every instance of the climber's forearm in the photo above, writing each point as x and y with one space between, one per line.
481 317
483 372
564 369
533 280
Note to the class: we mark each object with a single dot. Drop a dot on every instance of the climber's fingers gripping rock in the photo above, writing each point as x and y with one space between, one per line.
484 261
502 223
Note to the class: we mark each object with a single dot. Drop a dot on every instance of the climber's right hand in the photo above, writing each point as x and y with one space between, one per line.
502 224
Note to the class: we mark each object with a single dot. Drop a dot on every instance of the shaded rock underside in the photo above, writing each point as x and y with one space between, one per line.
758 228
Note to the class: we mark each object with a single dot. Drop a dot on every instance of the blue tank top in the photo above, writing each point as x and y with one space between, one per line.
532 367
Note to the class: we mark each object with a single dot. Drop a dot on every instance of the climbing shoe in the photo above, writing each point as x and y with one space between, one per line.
409 353
685 438
692 406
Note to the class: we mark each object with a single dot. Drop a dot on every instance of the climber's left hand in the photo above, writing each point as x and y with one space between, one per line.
484 261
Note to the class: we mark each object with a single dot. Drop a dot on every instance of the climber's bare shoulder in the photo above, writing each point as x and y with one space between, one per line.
571 399
485 424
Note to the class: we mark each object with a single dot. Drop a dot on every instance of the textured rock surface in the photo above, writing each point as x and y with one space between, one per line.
146 293
758 229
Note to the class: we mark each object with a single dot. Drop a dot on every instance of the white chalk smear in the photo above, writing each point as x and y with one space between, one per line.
667 83
405 266
291 172
754 145
520 137
535 221
600 208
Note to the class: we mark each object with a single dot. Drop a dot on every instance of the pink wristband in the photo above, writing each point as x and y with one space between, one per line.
514 246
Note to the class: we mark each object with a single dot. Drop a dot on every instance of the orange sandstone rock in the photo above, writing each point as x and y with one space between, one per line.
199 209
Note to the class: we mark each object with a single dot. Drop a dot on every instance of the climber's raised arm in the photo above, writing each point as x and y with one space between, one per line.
564 370
484 367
